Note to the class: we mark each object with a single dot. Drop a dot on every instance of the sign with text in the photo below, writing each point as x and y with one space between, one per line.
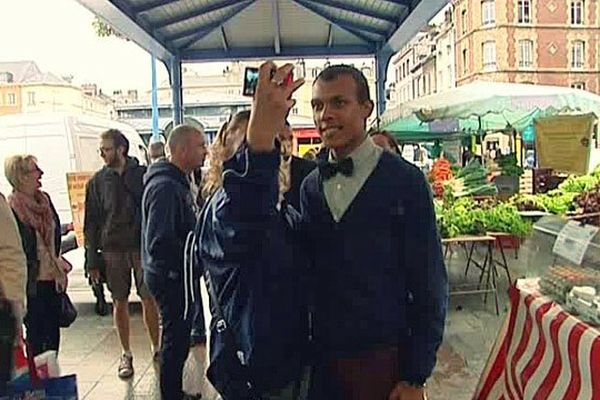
76 183
563 142
573 240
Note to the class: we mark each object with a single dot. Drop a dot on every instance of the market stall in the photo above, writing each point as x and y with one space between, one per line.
542 352
549 346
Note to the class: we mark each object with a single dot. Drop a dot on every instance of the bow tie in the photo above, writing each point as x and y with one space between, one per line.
329 169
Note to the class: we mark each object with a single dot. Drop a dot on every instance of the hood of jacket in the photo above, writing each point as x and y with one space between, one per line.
165 170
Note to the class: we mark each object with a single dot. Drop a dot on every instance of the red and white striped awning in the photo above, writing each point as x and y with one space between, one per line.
542 352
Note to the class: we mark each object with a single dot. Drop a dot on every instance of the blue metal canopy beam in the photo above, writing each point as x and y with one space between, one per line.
348 27
195 31
355 9
211 27
277 38
198 12
405 3
419 15
261 53
151 6
224 39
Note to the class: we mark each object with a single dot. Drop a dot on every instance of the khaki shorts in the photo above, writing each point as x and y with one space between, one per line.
118 274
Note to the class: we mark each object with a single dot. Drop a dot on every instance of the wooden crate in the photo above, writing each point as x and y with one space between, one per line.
526 182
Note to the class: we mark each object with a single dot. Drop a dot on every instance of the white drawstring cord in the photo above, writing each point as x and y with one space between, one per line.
185 275
191 261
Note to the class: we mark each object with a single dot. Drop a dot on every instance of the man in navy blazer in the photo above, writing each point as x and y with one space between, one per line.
380 284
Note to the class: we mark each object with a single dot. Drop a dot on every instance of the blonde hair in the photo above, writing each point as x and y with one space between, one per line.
16 168
214 175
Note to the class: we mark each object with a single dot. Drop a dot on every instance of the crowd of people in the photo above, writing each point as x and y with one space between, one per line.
325 278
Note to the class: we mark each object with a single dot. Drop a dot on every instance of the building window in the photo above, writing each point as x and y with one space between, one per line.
488 12
577 8
31 98
578 54
524 11
464 21
525 53
465 61
11 99
578 85
489 56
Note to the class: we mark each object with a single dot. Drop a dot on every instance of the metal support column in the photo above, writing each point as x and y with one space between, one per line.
155 133
176 83
382 61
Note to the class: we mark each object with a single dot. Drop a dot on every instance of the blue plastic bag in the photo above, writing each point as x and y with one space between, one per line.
63 388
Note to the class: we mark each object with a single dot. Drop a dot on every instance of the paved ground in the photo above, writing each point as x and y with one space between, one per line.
90 347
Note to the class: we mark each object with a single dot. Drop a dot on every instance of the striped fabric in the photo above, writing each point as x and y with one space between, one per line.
542 353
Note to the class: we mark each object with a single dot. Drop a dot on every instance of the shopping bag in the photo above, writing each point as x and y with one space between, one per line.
31 387
63 388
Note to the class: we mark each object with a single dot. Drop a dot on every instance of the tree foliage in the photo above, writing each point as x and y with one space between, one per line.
104 29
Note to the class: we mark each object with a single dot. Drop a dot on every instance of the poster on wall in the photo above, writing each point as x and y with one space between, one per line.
76 183
563 142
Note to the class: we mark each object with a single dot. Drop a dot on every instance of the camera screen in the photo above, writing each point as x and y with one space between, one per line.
250 81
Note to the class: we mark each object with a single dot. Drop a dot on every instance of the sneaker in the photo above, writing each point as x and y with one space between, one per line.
125 370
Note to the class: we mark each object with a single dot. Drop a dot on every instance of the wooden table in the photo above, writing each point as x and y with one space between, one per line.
487 267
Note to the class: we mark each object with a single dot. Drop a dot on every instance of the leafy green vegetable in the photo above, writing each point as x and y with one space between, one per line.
464 216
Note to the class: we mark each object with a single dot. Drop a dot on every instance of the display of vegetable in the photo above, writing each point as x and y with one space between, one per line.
505 217
472 181
589 203
580 184
441 172
465 216
554 202
509 165
558 202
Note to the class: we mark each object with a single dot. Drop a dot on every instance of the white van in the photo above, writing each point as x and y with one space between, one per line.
62 143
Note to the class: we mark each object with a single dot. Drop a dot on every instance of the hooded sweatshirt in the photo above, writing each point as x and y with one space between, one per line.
167 220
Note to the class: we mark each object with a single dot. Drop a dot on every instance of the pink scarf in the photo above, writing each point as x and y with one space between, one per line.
35 212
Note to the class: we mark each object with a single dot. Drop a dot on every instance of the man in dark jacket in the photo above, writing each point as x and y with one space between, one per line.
380 281
112 236
168 220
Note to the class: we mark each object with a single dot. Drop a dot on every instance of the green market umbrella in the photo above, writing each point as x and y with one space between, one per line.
497 105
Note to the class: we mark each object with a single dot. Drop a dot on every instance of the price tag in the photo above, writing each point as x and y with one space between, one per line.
573 240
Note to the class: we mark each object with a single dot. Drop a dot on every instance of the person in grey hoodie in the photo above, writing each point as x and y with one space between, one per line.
168 219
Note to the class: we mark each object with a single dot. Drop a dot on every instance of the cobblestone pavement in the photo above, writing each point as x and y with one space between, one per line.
90 347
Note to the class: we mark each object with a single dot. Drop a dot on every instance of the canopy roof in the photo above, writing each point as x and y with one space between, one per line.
196 30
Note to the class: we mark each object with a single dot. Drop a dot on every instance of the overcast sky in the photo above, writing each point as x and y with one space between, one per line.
58 36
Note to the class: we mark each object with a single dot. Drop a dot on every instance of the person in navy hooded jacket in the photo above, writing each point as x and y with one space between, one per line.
168 221
379 277
247 246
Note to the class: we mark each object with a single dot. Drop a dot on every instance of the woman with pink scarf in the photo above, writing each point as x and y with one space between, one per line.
39 227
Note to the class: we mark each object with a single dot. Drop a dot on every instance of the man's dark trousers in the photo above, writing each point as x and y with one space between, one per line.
175 341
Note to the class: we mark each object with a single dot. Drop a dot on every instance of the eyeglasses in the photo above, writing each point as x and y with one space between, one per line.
102 150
